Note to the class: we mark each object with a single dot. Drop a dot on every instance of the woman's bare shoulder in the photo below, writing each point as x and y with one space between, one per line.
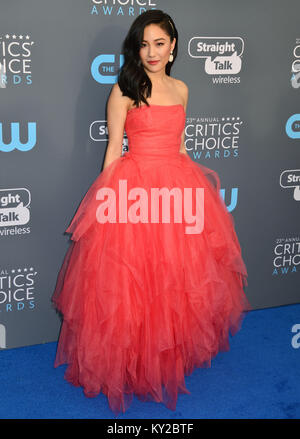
117 100
115 90
177 82
181 85
182 88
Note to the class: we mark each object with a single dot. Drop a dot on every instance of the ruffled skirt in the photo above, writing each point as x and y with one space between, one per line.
144 303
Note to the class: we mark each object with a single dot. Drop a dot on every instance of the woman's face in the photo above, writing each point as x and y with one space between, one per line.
155 48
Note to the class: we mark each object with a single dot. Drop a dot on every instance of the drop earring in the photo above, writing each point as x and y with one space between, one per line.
171 57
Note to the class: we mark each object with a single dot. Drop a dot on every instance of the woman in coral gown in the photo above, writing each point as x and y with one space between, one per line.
147 293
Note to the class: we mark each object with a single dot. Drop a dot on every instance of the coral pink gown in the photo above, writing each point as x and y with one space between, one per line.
144 303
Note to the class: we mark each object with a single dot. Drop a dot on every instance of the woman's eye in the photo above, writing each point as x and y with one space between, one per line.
144 45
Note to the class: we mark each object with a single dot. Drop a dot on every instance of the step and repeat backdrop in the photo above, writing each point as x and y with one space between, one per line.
58 62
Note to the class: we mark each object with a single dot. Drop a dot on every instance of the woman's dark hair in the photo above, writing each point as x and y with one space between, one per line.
132 78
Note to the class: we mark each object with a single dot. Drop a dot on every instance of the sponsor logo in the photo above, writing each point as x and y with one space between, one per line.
292 126
14 211
222 56
104 68
290 179
295 79
99 133
15 137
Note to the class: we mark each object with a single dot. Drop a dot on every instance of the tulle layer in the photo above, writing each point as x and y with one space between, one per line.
144 304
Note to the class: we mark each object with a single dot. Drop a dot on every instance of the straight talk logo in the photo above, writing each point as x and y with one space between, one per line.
138 211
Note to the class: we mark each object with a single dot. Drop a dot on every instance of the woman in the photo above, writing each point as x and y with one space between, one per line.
147 68
145 296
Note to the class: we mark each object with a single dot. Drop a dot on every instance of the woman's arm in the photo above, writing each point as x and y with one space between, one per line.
185 95
117 107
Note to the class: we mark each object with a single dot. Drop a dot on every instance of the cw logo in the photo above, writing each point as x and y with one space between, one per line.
103 67
292 126
233 200
15 142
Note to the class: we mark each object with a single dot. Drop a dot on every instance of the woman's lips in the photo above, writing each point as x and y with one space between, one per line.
152 62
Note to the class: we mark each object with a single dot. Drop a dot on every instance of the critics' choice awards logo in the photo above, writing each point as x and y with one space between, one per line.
99 133
295 79
222 56
290 179
14 211
15 60
11 135
213 137
17 289
286 255
121 8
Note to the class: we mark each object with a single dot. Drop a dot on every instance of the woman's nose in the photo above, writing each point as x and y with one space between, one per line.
151 50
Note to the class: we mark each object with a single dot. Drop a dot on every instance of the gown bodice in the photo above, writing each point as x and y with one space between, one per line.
155 130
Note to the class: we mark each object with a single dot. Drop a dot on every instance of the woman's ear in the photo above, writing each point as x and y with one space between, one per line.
173 44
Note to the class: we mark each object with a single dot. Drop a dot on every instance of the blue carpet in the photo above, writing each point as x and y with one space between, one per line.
258 378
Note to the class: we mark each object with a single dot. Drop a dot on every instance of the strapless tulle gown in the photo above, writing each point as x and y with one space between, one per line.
143 300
